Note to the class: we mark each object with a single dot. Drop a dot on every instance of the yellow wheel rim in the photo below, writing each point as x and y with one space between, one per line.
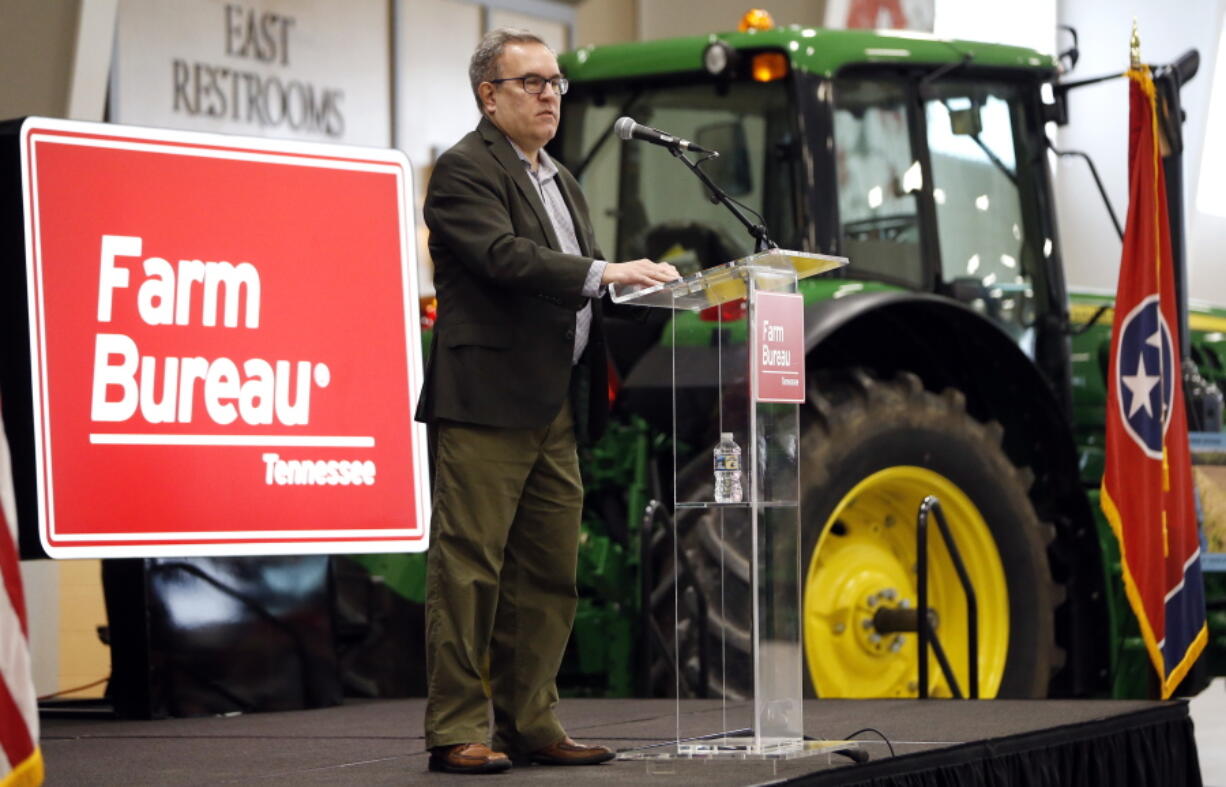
865 560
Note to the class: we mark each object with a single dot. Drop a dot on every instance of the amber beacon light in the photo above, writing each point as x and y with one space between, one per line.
756 19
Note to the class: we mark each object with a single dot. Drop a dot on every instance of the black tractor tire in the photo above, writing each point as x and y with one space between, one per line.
854 426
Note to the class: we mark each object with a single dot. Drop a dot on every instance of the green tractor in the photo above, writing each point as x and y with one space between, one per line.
946 359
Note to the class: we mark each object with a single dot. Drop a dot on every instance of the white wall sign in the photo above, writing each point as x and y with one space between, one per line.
305 69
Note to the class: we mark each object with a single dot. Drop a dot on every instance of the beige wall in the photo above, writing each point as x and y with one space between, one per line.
666 18
40 581
606 22
64 607
55 57
83 659
614 21
34 63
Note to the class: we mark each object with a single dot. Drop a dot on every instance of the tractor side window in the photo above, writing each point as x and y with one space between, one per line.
879 179
985 253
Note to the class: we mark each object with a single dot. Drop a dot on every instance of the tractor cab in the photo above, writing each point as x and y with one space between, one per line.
922 160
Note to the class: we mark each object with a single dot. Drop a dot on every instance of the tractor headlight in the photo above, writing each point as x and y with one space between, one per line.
719 58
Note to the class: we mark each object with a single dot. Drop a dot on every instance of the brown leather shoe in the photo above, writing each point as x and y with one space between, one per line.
567 752
468 758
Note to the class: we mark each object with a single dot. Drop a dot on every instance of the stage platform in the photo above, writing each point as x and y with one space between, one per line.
938 742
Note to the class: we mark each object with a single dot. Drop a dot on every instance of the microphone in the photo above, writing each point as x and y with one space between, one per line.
627 129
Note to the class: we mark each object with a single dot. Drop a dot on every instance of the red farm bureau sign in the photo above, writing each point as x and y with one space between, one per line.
224 343
778 347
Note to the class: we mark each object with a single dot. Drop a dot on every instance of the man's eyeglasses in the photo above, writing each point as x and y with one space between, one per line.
535 84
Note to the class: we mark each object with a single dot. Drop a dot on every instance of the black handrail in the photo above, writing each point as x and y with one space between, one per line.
924 619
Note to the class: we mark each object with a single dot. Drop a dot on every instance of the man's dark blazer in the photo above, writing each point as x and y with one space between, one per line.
507 295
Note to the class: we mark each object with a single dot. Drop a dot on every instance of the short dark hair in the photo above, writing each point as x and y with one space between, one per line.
484 64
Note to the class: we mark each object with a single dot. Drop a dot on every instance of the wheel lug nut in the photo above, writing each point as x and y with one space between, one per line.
905 603
839 628
896 645
874 638
866 624
889 594
872 600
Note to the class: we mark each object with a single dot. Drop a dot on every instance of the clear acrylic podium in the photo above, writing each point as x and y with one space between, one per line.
736 592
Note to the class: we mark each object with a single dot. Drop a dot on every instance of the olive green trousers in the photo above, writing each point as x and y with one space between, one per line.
500 581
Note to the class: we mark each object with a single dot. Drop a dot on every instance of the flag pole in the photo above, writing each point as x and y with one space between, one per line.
1134 47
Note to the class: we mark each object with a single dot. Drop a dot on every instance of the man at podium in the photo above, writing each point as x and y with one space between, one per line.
517 370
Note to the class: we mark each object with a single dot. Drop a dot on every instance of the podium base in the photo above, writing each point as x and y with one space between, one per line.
738 748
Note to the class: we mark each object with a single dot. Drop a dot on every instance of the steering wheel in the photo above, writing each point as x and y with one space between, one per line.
710 245
889 227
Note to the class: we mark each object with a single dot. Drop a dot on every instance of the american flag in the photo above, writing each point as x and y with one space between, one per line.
21 762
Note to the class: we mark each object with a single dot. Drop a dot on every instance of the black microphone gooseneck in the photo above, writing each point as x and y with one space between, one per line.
628 129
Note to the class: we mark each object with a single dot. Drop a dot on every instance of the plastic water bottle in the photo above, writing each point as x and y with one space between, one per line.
727 470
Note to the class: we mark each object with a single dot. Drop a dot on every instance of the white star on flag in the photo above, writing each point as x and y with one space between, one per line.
1141 384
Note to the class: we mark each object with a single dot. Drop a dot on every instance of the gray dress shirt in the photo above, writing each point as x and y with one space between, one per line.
545 177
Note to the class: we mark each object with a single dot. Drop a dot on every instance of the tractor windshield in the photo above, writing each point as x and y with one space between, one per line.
981 171
644 204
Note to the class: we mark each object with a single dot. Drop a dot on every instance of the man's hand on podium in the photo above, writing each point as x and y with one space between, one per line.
642 272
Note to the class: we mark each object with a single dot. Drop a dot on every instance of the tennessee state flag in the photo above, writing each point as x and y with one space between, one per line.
1147 491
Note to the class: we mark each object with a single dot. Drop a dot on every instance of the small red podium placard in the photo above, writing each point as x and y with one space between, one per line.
778 347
